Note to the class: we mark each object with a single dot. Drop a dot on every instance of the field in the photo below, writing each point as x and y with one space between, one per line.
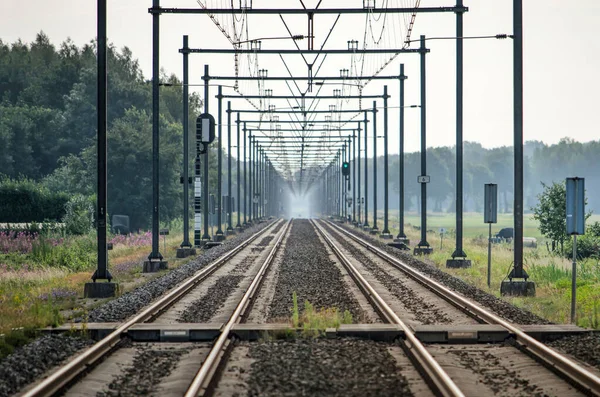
473 225
42 277
550 272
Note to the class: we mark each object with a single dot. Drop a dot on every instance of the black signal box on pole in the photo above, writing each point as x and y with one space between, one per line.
346 168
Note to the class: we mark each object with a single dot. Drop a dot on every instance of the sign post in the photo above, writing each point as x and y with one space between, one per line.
490 215
442 232
575 226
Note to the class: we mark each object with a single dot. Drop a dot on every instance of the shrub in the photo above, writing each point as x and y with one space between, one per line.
79 215
29 201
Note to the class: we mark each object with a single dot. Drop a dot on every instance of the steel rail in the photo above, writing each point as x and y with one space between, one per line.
569 369
436 374
67 373
204 375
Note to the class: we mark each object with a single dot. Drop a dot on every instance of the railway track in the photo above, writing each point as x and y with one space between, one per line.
572 372
446 369
60 379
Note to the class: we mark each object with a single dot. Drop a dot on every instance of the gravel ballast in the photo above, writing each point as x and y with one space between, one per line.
424 312
500 307
130 303
307 270
585 347
148 369
31 361
324 367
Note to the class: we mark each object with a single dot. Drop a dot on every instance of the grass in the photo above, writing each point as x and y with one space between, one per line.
550 272
41 288
314 322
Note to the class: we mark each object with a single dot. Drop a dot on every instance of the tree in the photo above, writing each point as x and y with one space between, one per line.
551 213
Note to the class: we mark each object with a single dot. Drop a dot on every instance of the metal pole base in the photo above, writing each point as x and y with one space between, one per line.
100 290
404 240
374 231
423 250
517 288
219 237
386 236
154 266
185 252
230 232
459 263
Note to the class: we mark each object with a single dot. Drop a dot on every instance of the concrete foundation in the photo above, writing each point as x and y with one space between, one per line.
400 246
219 237
404 240
458 263
100 290
230 232
374 231
423 250
517 288
211 244
386 236
154 266
185 252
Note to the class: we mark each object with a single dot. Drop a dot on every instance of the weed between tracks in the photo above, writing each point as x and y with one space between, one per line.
314 322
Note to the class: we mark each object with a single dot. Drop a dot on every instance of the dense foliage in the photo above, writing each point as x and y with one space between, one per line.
29 201
48 126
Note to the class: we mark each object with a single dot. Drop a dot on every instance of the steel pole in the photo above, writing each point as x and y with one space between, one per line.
102 272
238 172
155 254
458 252
245 181
518 139
366 224
229 195
359 186
401 237
219 234
354 177
386 231
375 228
423 245
206 235
250 179
186 186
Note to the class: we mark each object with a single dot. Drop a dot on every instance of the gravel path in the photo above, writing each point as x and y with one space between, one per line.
307 270
424 312
130 303
500 307
584 347
321 367
29 362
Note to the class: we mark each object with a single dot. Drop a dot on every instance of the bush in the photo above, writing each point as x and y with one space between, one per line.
79 215
25 200
588 245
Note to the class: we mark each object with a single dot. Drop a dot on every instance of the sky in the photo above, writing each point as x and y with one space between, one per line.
561 60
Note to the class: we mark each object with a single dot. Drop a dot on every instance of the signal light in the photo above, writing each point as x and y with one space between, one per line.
345 168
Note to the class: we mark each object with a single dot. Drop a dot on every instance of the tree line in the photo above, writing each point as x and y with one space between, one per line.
48 130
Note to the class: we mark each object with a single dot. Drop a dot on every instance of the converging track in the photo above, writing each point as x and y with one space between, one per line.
226 331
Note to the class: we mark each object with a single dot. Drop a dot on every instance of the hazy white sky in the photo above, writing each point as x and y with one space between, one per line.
561 59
